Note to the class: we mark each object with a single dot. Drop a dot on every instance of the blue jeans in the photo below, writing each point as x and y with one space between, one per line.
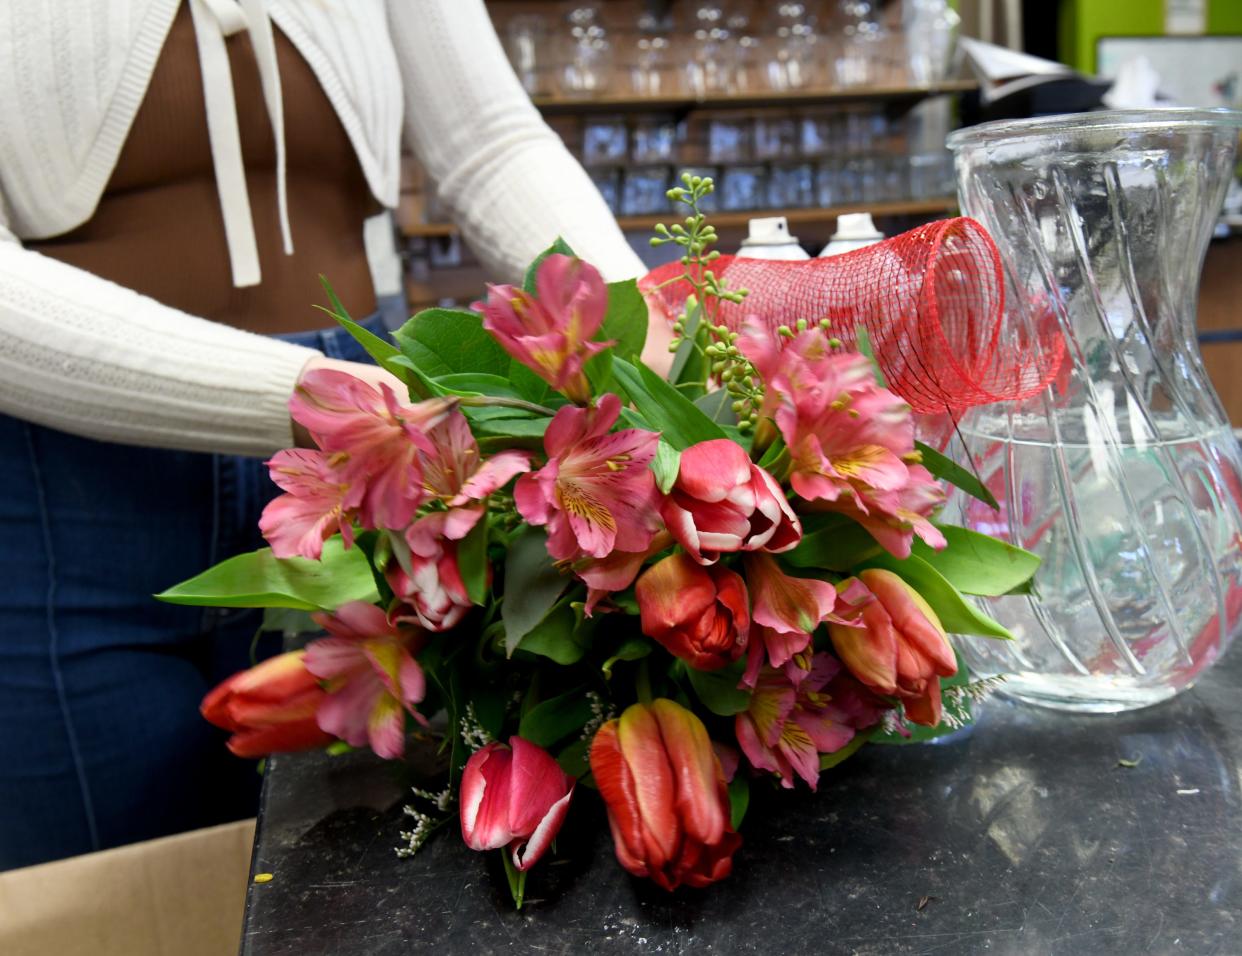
101 741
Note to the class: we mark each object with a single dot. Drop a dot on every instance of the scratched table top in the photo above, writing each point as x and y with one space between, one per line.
1031 833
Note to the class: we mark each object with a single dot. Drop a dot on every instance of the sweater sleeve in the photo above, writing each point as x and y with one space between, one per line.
87 356
509 181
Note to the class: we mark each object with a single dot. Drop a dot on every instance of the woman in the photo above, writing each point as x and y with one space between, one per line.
173 178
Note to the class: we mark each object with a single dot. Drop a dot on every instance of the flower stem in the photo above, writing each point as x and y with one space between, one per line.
486 401
642 682
517 879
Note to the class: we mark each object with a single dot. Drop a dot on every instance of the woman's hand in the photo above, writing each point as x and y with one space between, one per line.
372 374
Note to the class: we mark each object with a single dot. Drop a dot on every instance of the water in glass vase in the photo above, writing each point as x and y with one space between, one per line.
1141 581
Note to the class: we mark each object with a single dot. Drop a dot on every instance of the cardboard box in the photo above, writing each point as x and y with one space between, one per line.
182 895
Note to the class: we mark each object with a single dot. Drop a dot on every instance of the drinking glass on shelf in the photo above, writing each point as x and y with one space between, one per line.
791 186
828 183
776 137
930 28
863 36
588 67
815 135
644 190
743 187
745 73
729 139
604 140
706 69
652 61
653 140
794 61
526 43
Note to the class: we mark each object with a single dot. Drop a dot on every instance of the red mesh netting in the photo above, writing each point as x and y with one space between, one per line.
932 301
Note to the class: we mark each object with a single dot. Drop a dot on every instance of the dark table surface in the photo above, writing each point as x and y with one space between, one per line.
1021 835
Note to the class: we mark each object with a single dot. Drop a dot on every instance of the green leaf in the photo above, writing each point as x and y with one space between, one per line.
480 383
559 246
382 351
833 542
631 649
739 799
259 579
717 406
557 637
625 322
674 415
837 756
665 465
718 690
575 758
444 341
472 561
532 586
529 385
947 469
862 341
531 429
957 615
976 563
552 720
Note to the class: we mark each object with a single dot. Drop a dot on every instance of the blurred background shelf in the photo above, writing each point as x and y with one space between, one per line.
768 99
738 220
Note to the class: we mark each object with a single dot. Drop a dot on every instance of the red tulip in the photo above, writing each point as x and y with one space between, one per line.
269 708
665 792
699 614
516 797
722 502
900 650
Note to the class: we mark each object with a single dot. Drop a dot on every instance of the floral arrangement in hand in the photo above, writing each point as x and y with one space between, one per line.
577 573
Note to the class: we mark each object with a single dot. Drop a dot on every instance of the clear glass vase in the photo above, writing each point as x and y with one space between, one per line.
1123 474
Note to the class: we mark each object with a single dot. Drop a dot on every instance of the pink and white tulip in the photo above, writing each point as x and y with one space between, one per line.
516 797
596 494
550 332
372 678
722 502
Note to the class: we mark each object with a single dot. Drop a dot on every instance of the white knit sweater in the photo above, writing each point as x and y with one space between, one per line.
84 355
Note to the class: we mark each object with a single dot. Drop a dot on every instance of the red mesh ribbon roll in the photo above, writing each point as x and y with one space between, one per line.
932 301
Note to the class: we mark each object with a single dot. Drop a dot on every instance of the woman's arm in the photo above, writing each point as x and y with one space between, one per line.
87 356
510 182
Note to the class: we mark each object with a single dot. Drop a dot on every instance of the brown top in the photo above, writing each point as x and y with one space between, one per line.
158 228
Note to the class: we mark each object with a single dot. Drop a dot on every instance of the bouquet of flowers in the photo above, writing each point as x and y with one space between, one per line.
577 573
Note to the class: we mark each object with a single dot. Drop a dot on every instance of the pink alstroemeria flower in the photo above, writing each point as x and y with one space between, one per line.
784 610
428 580
596 493
375 439
550 332
851 442
722 502
515 797
373 680
788 725
315 505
